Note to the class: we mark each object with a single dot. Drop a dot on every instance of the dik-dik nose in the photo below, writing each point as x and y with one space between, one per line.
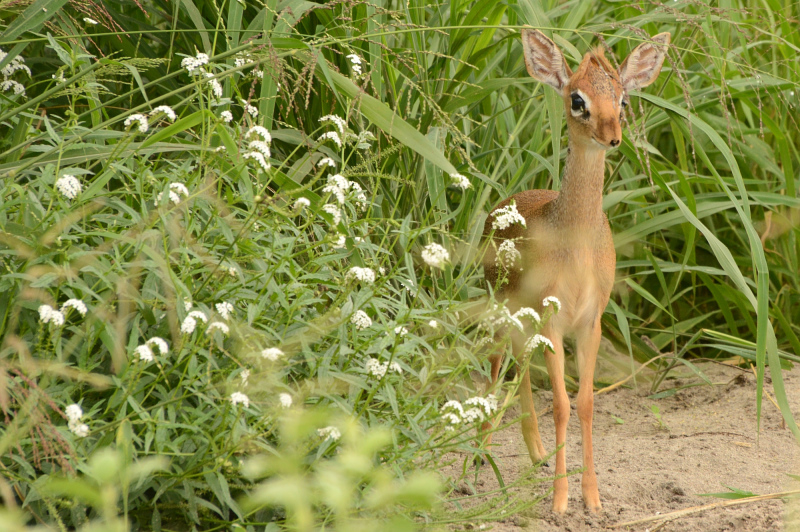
614 143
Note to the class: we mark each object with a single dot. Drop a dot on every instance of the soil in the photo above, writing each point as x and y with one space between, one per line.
706 442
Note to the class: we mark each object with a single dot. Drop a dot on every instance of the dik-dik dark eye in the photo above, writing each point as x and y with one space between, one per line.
577 103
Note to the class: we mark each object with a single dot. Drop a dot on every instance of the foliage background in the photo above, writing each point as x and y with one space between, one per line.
702 198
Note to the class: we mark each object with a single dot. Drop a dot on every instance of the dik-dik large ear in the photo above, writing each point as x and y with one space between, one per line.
643 66
544 60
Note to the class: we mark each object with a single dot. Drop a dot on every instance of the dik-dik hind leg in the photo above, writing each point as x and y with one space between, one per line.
555 368
587 346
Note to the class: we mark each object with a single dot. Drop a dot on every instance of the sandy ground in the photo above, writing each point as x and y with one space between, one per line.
706 442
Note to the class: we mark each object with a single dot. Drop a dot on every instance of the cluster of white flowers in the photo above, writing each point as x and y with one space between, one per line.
245 59
326 161
301 203
506 217
338 121
18 63
400 331
365 275
435 256
508 255
193 63
338 186
378 369
69 186
216 88
433 324
167 110
218 325
460 181
141 122
175 190
285 400
145 351
356 63
331 135
480 409
334 211
259 148
77 304
340 242
74 415
249 109
505 317
224 309
527 312
329 433
187 304
245 374
535 341
48 314
361 320
190 322
226 116
272 354
240 398
554 300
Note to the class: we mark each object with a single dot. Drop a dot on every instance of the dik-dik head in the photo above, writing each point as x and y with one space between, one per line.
595 95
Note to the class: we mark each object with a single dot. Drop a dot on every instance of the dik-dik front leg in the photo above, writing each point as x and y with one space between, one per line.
588 344
555 368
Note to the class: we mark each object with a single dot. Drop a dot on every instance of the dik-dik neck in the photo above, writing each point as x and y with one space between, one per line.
580 202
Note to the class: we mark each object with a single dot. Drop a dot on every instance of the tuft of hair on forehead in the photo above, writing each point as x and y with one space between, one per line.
598 54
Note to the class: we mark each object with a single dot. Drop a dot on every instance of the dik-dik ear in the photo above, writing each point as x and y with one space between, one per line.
643 66
544 60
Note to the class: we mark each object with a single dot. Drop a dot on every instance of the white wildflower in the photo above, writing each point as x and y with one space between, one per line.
91 21
507 254
69 186
338 121
199 316
167 110
223 328
452 419
224 309
360 197
193 63
226 116
285 400
10 84
80 430
554 300
489 403
365 275
433 324
259 158
394 366
216 88
334 211
506 217
190 323
301 203
329 433
261 131
332 135
527 312
77 304
337 185
537 340
435 256
250 109
175 190
144 353
326 161
160 343
340 242
141 121
376 368
187 304
240 398
356 63
272 353
361 320
18 63
460 181
400 331
48 314
245 374
74 412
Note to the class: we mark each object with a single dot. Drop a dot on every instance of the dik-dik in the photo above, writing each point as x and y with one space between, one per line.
566 246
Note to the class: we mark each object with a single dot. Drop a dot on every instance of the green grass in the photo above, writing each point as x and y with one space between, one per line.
706 172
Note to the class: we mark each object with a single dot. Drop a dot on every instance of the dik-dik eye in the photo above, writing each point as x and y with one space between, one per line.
577 103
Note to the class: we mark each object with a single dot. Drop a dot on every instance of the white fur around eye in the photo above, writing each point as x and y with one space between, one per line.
586 102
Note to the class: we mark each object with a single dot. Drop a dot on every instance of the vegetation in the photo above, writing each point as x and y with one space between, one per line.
245 300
